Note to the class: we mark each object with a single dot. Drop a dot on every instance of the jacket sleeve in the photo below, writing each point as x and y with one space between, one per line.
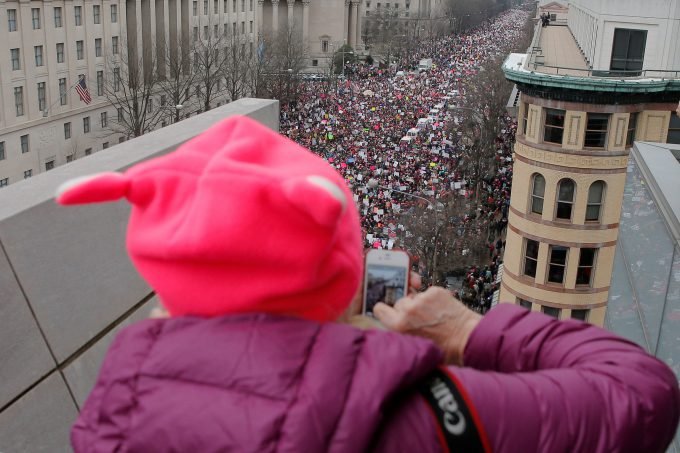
543 385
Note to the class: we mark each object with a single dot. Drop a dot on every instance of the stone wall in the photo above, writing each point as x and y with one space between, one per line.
67 285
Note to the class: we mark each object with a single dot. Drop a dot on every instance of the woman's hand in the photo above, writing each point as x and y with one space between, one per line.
433 314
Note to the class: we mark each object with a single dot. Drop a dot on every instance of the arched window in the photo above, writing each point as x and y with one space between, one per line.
565 199
595 197
537 193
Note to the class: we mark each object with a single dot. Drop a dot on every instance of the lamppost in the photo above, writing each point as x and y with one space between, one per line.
343 60
290 74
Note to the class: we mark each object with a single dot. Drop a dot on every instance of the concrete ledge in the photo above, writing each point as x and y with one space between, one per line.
67 285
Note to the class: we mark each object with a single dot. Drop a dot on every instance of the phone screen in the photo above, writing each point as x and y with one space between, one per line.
384 284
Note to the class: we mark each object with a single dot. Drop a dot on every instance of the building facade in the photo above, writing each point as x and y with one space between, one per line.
51 45
578 120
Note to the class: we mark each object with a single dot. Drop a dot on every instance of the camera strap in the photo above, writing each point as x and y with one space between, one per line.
457 423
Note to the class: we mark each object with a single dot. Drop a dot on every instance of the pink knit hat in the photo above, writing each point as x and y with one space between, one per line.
239 219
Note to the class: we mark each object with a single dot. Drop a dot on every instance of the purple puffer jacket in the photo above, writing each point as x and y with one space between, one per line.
258 383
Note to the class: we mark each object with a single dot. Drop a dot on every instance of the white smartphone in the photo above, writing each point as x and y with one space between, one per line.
386 275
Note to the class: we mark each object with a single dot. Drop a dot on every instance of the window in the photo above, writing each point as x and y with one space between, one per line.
67 131
69 158
565 199
195 33
551 311
628 50
315 62
62 91
233 28
11 20
195 10
243 27
632 125
524 304
35 18
97 47
49 165
80 50
119 114
15 55
149 106
2 150
205 6
60 52
324 45
28 173
121 139
205 32
100 83
530 257
78 14
557 264
24 144
114 14
42 98
586 261
233 3
537 193
250 27
105 145
596 130
581 315
216 6
4 182
594 206
674 129
116 79
19 100
554 126
525 118
251 5
57 17
96 14
114 45
38 51
88 151
86 125
103 117
243 6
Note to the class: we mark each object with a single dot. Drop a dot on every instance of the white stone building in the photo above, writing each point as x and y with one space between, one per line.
50 44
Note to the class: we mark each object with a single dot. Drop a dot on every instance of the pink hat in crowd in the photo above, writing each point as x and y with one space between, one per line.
239 219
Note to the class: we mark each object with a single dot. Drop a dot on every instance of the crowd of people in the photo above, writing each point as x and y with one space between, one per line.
397 136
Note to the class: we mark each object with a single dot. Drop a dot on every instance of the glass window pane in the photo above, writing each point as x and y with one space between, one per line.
595 192
579 314
566 192
525 304
532 249
593 212
550 311
537 205
558 255
554 117
564 211
530 267
539 185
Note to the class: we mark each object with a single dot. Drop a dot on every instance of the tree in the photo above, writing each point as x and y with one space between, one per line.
210 65
179 80
130 88
236 66
344 55
280 60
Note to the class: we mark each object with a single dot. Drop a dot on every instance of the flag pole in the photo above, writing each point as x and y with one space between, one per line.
46 112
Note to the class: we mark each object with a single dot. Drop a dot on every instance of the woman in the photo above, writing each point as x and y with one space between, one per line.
253 245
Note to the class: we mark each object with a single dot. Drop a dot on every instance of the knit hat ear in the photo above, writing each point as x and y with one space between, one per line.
95 188
318 197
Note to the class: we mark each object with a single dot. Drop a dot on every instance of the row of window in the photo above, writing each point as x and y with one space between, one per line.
597 127
36 17
565 195
63 92
216 6
216 30
557 263
387 5
103 121
580 314
15 54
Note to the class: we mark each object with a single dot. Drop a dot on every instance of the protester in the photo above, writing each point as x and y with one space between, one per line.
358 128
253 246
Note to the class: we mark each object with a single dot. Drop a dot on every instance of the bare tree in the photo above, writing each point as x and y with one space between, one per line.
130 88
179 79
236 66
209 64
279 62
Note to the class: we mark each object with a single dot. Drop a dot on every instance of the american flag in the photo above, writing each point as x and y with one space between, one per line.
83 92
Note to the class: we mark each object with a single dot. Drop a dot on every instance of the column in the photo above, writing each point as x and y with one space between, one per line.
305 26
260 16
353 24
291 19
275 16
345 36
357 36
